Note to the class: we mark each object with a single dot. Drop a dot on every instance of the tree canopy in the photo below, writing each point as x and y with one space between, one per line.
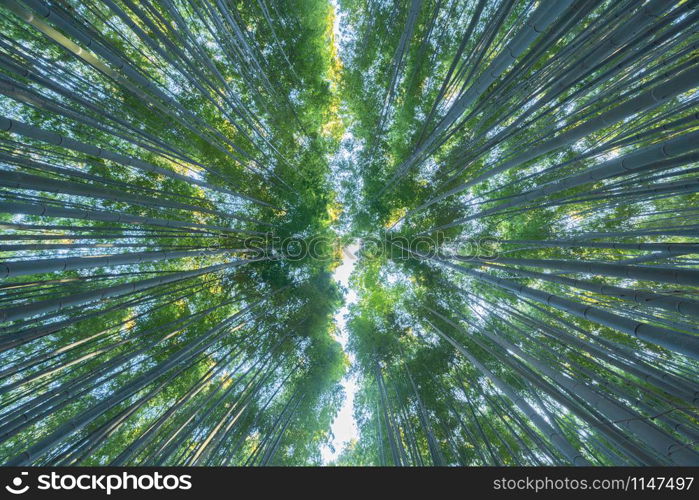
179 180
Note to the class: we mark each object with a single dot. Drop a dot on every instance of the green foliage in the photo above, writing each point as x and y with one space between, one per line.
177 179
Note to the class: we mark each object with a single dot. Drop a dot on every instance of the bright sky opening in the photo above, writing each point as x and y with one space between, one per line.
344 427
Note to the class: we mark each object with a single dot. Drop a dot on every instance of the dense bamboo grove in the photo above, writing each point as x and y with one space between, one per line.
521 176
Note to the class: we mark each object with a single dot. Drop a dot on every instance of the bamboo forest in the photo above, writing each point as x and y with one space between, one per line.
349 232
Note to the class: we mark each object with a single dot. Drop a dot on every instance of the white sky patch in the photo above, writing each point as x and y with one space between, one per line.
344 428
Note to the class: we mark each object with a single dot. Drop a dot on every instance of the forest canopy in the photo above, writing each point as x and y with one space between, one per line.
181 181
